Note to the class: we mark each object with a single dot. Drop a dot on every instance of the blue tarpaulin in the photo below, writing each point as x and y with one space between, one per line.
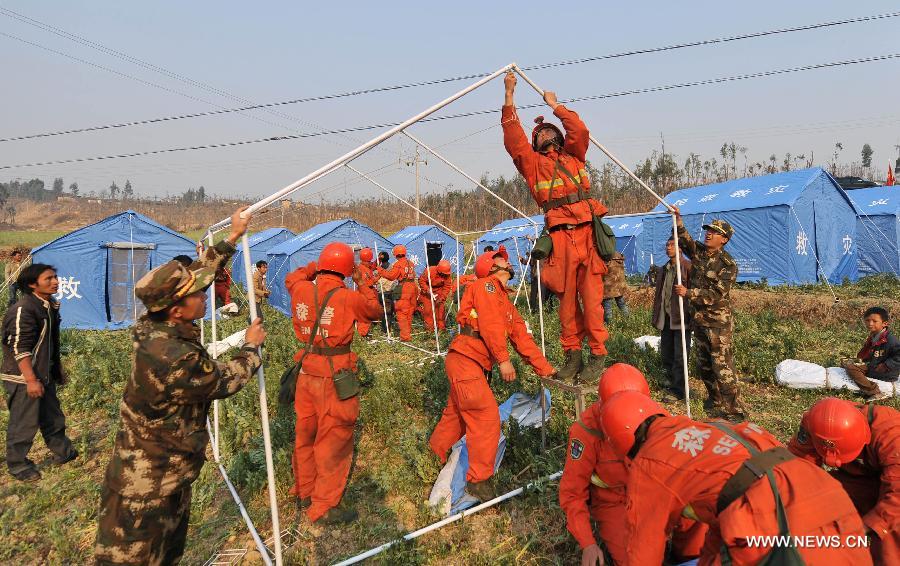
304 248
260 243
98 265
415 238
448 494
878 214
628 231
790 228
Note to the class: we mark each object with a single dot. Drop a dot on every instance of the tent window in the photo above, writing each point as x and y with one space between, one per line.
120 278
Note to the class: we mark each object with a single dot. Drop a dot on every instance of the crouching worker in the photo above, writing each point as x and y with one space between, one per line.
326 400
737 478
593 482
488 319
863 443
879 358
161 444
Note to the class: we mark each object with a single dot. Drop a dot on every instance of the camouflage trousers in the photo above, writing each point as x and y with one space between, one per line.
715 361
142 531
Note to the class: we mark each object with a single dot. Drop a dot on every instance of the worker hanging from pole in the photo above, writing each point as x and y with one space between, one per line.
368 270
406 293
435 290
325 392
487 321
553 165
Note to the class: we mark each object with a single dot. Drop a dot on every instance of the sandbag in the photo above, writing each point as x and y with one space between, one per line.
648 342
798 374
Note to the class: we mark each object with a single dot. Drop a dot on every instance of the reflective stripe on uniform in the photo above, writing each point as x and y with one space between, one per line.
545 185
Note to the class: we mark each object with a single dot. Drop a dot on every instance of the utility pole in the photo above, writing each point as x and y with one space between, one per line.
415 161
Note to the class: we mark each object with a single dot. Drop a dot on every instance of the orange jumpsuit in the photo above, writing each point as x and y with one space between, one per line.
873 480
684 462
323 448
574 270
471 408
368 274
590 455
404 272
441 286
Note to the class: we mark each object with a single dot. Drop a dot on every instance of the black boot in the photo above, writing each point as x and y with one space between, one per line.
340 515
482 490
714 401
593 369
573 366
733 410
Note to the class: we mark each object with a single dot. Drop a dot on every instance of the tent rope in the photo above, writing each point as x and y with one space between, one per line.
815 256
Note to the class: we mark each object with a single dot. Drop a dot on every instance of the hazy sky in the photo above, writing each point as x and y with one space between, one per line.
273 51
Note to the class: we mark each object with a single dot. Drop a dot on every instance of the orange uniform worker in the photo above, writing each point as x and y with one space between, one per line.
323 448
368 276
863 443
678 465
593 481
488 319
554 168
404 272
436 281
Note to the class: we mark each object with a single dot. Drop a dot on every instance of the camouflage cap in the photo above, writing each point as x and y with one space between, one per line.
171 282
720 227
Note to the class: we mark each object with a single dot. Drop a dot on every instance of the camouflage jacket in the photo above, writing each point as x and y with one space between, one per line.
161 444
712 276
614 284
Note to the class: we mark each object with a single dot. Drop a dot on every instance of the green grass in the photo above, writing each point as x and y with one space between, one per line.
27 238
54 521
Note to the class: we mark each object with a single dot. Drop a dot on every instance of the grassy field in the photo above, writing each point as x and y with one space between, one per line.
27 238
54 521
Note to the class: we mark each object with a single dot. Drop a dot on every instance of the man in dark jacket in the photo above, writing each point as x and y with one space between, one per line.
879 357
31 371
667 319
161 444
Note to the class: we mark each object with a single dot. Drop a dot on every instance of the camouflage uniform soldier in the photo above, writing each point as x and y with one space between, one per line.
161 444
713 272
614 287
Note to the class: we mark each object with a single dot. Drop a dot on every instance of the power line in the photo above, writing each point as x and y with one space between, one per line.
646 90
401 86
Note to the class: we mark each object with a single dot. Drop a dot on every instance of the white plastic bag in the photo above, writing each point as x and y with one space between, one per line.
798 374
651 342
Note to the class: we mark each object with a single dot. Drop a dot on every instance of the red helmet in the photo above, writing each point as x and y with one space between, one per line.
399 250
622 377
365 254
837 429
621 415
541 125
443 267
485 262
337 257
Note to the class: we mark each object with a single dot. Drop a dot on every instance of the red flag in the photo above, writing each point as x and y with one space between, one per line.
890 177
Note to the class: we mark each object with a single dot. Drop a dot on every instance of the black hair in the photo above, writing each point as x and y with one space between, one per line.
30 275
382 256
671 239
183 260
488 248
14 252
261 263
880 311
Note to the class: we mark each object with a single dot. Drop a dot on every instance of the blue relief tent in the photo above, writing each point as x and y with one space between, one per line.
305 247
98 265
790 228
517 235
260 243
628 231
415 238
878 214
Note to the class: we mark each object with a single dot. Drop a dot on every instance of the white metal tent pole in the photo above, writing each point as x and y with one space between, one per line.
543 342
467 176
214 335
437 340
458 274
444 522
264 410
600 146
354 153
396 196
684 354
387 323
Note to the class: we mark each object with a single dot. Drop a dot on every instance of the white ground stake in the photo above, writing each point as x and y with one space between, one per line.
264 410
444 522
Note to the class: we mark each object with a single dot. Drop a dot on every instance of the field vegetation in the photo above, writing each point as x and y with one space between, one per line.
54 521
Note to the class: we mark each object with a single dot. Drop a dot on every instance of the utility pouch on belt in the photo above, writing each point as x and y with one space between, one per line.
753 469
543 247
604 237
346 383
288 384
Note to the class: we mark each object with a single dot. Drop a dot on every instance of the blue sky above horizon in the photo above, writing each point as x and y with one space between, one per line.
276 51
